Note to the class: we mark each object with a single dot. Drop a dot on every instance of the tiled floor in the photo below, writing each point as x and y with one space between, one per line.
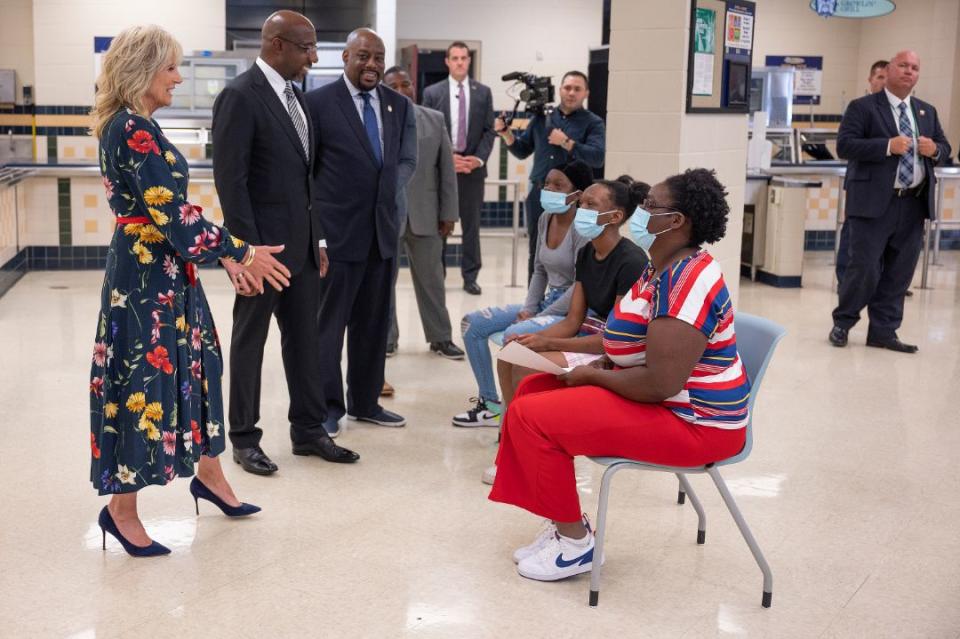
851 491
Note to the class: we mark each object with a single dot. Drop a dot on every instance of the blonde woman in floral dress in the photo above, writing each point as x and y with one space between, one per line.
155 397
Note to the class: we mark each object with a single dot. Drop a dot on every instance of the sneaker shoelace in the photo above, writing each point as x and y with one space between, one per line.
480 407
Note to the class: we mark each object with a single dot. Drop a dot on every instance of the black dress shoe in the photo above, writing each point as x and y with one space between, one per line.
893 344
447 349
909 293
254 460
324 447
838 336
472 287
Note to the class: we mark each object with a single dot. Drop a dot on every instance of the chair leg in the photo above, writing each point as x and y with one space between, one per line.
697 506
747 535
599 532
681 496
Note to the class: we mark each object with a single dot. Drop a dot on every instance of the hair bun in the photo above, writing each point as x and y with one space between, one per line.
638 192
625 180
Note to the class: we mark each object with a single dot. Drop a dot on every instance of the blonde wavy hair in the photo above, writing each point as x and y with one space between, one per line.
129 66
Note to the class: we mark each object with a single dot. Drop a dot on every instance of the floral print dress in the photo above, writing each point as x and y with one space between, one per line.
155 396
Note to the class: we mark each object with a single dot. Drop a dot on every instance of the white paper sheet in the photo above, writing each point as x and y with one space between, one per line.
520 355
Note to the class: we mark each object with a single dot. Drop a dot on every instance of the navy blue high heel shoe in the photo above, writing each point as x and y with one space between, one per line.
107 525
200 491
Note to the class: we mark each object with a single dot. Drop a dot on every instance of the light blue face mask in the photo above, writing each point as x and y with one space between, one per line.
586 225
638 227
554 202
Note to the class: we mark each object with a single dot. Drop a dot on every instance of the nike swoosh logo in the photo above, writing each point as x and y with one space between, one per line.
585 558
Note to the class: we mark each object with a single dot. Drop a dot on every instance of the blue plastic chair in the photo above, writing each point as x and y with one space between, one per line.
756 340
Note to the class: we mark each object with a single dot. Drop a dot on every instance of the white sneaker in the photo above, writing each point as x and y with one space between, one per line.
559 558
489 475
548 530
479 415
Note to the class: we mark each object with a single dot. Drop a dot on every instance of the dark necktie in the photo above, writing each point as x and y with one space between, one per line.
298 122
905 168
370 124
461 120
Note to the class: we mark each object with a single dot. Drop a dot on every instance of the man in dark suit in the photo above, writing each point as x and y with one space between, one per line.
360 127
893 142
467 107
263 146
429 202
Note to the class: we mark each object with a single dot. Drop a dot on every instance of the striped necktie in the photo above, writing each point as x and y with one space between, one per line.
905 167
295 117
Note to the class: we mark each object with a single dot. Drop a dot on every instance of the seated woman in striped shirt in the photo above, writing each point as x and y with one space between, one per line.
670 388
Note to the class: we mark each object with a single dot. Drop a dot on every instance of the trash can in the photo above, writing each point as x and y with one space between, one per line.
784 233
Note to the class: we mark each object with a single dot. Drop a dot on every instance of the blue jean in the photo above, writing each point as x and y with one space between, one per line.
478 326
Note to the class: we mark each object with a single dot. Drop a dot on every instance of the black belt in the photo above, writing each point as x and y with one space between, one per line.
912 191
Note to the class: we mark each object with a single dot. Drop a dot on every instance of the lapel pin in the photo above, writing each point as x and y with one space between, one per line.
922 112
390 109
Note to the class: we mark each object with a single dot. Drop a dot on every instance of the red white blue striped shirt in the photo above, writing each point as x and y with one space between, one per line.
693 291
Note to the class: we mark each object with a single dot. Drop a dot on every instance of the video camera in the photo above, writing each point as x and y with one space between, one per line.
537 93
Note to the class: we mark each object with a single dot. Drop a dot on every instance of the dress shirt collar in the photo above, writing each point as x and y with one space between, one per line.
455 85
895 101
277 83
355 92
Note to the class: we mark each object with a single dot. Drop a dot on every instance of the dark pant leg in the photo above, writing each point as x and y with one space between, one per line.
425 254
899 260
338 291
868 240
843 252
470 194
251 323
297 313
532 212
367 336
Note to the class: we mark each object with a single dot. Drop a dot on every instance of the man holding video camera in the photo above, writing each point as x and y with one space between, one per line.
556 137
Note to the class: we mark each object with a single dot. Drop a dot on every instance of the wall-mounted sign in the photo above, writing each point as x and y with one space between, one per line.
807 79
852 8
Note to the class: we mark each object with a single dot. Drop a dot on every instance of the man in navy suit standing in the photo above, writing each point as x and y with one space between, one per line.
361 159
893 141
467 108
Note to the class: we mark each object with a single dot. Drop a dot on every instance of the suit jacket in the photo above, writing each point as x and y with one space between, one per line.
261 171
357 199
480 133
432 193
865 130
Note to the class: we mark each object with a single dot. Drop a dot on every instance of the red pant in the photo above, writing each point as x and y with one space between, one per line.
548 423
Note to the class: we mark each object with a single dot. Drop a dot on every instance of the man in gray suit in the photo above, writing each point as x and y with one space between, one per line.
430 213
467 108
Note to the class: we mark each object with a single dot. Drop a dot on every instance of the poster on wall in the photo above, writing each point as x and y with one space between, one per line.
100 46
808 78
852 8
704 49
738 33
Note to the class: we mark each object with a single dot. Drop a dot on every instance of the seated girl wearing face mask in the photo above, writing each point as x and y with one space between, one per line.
669 390
548 294
605 270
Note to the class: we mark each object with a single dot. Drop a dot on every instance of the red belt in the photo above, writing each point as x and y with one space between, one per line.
139 219
189 268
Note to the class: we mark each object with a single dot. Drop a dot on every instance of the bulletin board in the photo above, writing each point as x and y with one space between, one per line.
720 56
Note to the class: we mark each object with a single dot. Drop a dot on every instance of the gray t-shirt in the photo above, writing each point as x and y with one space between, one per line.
553 267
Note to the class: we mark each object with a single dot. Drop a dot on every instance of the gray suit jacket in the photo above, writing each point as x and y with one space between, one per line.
432 192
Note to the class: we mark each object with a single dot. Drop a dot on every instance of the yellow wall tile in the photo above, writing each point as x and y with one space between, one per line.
206 200
90 201
90 226
69 152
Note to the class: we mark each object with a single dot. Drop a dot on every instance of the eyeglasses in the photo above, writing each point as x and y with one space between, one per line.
306 48
650 204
